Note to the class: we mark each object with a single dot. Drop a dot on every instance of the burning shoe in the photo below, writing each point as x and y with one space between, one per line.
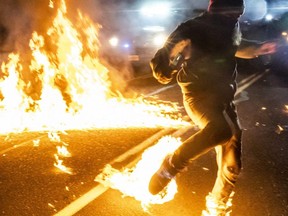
216 207
163 176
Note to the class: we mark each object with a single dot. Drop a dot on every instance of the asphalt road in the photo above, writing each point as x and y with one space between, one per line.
31 185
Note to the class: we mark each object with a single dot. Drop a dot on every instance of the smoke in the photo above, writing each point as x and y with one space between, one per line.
19 18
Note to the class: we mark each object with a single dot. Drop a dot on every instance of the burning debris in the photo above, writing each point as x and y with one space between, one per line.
62 152
63 85
280 129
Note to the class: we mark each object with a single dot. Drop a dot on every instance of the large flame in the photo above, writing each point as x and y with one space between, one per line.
134 181
68 87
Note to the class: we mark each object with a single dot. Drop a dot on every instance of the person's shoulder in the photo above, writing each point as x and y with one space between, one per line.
195 20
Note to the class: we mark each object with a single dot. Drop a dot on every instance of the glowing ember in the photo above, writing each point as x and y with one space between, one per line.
134 182
68 87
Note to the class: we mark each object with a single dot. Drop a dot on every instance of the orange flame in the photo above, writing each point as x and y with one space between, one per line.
134 182
70 88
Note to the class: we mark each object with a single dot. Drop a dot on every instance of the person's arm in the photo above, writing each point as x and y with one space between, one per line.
167 60
253 49
161 69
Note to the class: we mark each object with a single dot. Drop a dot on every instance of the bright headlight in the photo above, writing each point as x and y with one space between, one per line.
114 41
159 40
160 9
285 35
268 17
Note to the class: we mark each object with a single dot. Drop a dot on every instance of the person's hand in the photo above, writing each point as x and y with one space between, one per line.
266 48
183 47
160 66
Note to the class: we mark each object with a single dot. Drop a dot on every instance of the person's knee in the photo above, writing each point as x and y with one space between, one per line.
232 172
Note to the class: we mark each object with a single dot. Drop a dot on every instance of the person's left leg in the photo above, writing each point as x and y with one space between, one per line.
229 167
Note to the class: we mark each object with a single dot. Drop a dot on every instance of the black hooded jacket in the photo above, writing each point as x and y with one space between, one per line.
212 65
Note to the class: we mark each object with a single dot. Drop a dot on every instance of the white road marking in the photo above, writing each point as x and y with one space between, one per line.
161 90
245 85
21 144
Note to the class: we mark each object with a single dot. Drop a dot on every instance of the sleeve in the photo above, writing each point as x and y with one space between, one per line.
163 67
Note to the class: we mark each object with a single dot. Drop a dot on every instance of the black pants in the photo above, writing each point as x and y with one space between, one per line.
216 116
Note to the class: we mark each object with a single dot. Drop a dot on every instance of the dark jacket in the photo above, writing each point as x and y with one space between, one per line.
212 65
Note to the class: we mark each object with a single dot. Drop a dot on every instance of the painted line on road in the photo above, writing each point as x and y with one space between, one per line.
161 90
84 200
95 192
252 81
20 145
247 79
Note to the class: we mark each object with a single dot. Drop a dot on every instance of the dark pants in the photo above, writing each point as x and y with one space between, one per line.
216 116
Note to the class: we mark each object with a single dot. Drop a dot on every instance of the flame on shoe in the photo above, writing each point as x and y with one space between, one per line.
133 182
67 87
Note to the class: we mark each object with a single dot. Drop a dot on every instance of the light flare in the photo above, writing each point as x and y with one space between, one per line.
134 181
65 85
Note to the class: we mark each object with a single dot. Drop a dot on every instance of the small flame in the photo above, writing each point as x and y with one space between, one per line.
51 4
134 182
215 207
59 164
62 152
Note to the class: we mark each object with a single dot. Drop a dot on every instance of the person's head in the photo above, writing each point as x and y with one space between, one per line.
233 8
